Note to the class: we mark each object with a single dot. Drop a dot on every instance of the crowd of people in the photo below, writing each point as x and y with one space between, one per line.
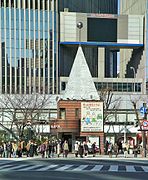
83 148
47 149
122 148
57 148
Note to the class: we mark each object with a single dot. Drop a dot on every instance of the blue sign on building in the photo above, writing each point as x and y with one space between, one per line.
142 111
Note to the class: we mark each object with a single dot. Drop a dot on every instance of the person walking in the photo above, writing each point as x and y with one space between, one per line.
76 148
19 149
65 148
59 148
31 152
5 151
42 149
85 149
46 148
110 149
81 150
52 149
28 149
115 148
14 149
94 149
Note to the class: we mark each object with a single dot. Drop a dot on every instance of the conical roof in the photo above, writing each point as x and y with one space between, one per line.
80 84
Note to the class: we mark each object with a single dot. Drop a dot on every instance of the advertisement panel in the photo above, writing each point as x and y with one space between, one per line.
91 116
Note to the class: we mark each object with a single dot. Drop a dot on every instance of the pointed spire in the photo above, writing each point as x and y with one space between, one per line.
80 84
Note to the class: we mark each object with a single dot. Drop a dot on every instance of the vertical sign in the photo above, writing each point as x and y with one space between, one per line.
91 116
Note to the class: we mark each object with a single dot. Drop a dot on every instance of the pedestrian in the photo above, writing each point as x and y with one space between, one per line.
115 148
81 150
125 148
94 149
9 149
46 148
28 149
1 150
14 149
65 148
59 148
110 149
42 149
35 149
52 149
5 151
85 149
19 149
31 152
135 151
76 148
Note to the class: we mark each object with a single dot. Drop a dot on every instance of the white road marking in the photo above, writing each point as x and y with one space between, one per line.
64 167
47 167
130 169
113 168
80 168
97 168
30 167
145 168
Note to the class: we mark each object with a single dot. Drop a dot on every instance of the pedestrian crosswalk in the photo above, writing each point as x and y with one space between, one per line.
9 166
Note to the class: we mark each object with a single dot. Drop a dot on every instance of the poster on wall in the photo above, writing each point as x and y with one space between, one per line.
91 116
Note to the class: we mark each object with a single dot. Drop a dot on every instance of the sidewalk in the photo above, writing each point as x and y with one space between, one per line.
90 156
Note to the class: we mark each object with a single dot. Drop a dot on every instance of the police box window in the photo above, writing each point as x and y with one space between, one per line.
102 30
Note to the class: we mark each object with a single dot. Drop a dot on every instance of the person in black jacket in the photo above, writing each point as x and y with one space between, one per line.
85 149
81 150
94 149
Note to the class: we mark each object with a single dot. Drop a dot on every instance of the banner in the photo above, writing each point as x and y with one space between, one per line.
92 116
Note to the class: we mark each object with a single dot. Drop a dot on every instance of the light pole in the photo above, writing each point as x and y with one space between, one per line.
132 68
79 26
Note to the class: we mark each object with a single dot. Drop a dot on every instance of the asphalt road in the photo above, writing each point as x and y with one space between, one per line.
73 169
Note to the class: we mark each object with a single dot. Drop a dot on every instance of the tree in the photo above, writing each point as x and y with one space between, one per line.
110 103
136 110
27 106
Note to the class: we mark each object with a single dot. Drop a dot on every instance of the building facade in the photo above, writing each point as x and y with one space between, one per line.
39 40
28 47
135 58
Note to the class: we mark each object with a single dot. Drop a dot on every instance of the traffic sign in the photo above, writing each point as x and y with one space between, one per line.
143 111
145 123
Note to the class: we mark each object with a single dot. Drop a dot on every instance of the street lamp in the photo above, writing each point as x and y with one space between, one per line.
132 68
79 26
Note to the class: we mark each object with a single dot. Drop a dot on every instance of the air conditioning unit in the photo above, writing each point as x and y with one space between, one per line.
66 9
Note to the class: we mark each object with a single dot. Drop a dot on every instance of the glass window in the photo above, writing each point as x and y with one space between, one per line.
77 112
110 85
12 24
36 4
120 87
31 15
62 113
22 24
104 85
138 87
114 86
17 14
27 15
63 86
2 22
124 87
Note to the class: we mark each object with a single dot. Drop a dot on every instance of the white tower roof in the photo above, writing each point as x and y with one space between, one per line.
80 84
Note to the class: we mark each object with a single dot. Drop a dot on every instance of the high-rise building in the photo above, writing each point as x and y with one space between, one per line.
134 61
104 34
30 31
28 47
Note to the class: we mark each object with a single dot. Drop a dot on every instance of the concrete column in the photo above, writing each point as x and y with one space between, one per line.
101 62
